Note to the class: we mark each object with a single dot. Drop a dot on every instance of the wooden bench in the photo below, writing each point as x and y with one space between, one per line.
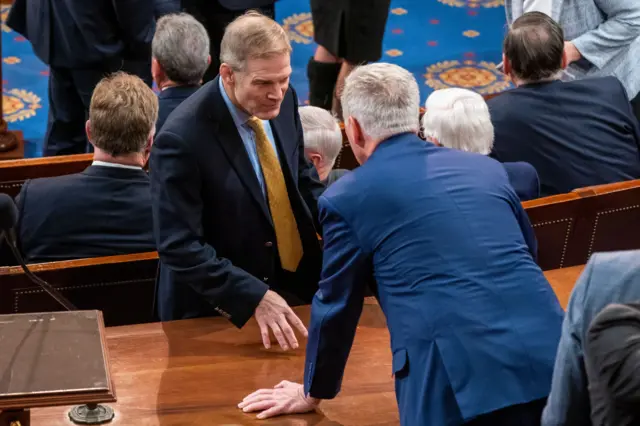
122 287
13 173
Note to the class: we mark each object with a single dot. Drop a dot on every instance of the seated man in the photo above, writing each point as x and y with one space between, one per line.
474 324
608 278
575 134
459 119
105 210
322 142
180 51
612 353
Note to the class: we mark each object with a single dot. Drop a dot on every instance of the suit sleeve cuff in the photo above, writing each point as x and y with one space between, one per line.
244 304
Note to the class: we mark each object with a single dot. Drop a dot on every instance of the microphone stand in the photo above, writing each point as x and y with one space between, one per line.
10 238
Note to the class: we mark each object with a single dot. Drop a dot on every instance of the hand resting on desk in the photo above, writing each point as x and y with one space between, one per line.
285 398
274 313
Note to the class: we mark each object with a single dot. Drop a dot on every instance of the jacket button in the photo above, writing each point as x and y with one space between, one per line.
268 244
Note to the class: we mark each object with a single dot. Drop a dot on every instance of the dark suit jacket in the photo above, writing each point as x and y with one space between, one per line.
334 175
165 7
474 324
103 211
524 179
245 4
575 134
77 34
169 99
212 223
612 357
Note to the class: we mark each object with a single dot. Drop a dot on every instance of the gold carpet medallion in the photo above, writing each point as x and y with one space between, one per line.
473 4
18 105
482 77
299 27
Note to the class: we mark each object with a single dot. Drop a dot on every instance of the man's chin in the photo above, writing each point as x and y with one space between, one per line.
268 114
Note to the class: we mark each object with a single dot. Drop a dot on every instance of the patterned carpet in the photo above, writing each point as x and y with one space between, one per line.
444 43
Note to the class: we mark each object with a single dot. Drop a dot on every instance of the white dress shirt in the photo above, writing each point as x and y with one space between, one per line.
116 165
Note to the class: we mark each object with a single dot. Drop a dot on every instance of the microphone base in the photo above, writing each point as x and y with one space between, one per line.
91 414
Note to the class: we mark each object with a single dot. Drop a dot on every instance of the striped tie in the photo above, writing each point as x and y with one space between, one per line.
287 235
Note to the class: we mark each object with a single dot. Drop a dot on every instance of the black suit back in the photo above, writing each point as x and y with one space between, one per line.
103 211
169 99
575 134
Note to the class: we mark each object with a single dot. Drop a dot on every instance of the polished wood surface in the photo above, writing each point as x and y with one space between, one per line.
194 372
562 281
590 191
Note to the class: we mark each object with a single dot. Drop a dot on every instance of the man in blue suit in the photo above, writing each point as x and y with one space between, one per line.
215 15
576 133
234 199
81 41
474 324
180 51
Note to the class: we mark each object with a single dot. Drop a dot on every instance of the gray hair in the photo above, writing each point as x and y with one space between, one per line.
252 36
384 98
321 133
459 119
181 47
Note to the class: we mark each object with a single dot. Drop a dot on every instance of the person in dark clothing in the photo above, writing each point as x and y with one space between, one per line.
180 58
82 42
105 210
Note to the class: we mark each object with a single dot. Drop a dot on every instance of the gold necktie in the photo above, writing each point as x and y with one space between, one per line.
287 235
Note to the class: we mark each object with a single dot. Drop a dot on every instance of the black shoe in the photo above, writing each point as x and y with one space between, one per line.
322 82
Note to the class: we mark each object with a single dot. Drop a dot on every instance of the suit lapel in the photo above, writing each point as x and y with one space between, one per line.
285 159
231 142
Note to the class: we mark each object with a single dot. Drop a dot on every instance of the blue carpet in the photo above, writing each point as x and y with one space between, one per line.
444 43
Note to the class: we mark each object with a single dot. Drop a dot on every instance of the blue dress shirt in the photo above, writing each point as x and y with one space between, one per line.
248 136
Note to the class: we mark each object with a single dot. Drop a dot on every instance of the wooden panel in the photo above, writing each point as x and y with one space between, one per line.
13 173
122 287
563 281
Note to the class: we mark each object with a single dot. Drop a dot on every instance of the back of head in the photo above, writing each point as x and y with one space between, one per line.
252 36
534 47
384 98
181 47
321 133
458 119
122 114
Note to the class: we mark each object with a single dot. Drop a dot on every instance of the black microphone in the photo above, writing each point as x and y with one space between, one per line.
8 220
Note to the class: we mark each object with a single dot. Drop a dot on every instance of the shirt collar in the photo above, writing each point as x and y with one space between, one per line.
114 165
240 117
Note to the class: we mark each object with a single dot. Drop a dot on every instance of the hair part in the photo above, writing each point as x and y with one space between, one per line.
252 36
321 133
534 47
123 114
459 119
181 47
384 98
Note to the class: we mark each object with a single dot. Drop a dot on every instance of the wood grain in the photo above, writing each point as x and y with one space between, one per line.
194 372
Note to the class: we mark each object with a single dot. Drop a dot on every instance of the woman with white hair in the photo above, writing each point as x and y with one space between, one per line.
459 119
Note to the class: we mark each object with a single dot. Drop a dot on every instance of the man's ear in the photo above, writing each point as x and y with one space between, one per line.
565 61
226 74
354 132
87 129
506 65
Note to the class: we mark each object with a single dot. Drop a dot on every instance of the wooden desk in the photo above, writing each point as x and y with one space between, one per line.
562 281
194 372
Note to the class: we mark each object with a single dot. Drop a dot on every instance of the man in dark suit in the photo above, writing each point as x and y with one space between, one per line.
180 58
81 41
612 355
215 15
105 210
234 200
575 134
474 324
459 119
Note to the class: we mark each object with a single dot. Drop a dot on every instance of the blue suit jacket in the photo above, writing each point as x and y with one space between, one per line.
169 99
612 277
103 211
212 224
474 324
76 34
575 134
524 179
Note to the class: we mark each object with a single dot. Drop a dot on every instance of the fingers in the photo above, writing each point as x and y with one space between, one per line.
259 406
276 410
282 384
264 332
277 332
288 332
296 322
257 393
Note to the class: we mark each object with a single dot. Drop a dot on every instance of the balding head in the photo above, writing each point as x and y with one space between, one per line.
534 48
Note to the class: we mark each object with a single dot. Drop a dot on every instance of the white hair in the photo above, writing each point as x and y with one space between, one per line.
458 119
321 133
384 99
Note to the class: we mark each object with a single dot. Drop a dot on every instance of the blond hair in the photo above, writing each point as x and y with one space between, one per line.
252 36
123 113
